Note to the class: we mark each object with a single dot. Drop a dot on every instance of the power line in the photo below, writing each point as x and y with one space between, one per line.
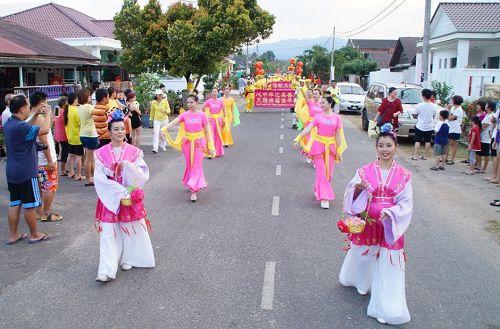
370 20
348 36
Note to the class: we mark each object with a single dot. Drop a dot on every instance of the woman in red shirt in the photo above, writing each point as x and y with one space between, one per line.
390 109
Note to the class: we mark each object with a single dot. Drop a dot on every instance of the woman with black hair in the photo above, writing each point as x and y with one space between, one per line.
119 176
380 194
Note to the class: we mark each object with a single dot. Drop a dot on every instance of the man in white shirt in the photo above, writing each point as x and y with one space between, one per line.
455 123
495 146
425 112
486 129
6 113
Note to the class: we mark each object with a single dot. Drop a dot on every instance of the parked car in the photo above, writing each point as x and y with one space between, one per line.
409 94
351 96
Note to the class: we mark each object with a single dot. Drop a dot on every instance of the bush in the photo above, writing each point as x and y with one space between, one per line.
443 91
147 83
174 100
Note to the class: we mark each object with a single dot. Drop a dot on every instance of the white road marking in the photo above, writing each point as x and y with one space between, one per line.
268 287
278 170
282 119
282 114
275 209
282 136
280 151
282 110
282 126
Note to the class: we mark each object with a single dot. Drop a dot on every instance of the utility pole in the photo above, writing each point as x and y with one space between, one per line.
425 44
247 70
332 68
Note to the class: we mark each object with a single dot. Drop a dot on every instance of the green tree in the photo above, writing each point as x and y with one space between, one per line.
443 91
268 56
359 67
342 56
316 61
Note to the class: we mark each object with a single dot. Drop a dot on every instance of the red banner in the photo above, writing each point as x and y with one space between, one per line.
274 99
281 85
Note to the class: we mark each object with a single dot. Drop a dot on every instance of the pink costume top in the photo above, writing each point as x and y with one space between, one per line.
389 192
314 108
327 126
193 123
215 106
111 182
59 129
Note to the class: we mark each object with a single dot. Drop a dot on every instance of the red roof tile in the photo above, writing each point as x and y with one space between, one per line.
57 21
18 41
473 16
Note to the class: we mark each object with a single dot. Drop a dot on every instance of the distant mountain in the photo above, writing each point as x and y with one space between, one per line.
286 49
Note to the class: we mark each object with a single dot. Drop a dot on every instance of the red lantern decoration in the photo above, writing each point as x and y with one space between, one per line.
300 64
258 65
299 70
292 61
290 68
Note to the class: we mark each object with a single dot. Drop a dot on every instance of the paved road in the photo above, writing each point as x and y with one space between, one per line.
228 262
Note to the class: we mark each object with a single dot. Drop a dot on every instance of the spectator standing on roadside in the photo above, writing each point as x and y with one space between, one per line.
481 109
88 133
135 118
60 133
486 130
389 109
100 116
474 144
242 83
495 177
441 140
95 85
22 168
160 109
425 112
334 92
455 123
47 159
6 114
72 128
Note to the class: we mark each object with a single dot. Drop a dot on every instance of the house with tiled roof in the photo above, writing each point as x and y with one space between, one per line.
377 50
465 46
72 28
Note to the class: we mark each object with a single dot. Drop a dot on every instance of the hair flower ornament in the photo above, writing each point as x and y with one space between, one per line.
116 116
386 128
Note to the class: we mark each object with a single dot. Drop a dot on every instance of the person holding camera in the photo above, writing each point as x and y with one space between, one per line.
22 168
47 158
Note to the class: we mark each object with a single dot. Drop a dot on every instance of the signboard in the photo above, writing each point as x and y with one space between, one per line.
274 99
281 85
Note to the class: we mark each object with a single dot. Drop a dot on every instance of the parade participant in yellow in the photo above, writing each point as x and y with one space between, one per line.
160 109
334 91
300 103
232 117
249 96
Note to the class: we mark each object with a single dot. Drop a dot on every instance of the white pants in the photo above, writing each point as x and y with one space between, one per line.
134 248
157 125
384 276
336 108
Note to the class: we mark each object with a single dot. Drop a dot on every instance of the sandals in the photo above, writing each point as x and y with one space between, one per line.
413 158
435 168
20 238
89 184
465 161
51 218
495 203
46 237
423 158
450 162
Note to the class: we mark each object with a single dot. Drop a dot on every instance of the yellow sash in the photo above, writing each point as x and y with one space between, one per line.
192 137
216 118
327 141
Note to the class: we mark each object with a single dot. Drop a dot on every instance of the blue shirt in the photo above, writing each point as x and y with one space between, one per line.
442 135
22 160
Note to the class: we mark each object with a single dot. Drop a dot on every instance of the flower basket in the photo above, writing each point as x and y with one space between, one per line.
135 195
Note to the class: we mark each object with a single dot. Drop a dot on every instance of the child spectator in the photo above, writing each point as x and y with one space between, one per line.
441 140
455 123
474 143
486 129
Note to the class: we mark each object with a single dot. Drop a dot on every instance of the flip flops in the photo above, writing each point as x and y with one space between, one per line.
51 218
46 237
450 162
21 238
495 203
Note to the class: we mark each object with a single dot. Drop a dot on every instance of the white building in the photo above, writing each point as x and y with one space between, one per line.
465 46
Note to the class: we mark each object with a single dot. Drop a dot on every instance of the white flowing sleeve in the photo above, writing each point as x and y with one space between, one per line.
108 191
355 206
136 173
399 216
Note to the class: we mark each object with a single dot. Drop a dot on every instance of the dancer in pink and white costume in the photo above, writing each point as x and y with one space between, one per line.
376 260
120 173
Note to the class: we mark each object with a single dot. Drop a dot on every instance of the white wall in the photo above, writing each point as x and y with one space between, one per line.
441 25
442 54
386 76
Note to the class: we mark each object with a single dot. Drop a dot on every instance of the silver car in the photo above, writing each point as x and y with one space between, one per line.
351 96
409 94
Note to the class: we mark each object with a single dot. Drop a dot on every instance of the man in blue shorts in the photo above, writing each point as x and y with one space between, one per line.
22 168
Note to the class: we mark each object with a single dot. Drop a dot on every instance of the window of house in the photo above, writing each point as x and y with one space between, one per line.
445 65
453 62
440 62
494 62
31 79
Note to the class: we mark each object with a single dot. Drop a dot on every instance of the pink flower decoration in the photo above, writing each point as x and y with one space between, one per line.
137 195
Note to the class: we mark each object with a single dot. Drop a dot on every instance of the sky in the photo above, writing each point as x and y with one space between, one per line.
294 19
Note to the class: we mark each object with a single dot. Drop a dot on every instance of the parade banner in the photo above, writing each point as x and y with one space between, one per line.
274 99
281 85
